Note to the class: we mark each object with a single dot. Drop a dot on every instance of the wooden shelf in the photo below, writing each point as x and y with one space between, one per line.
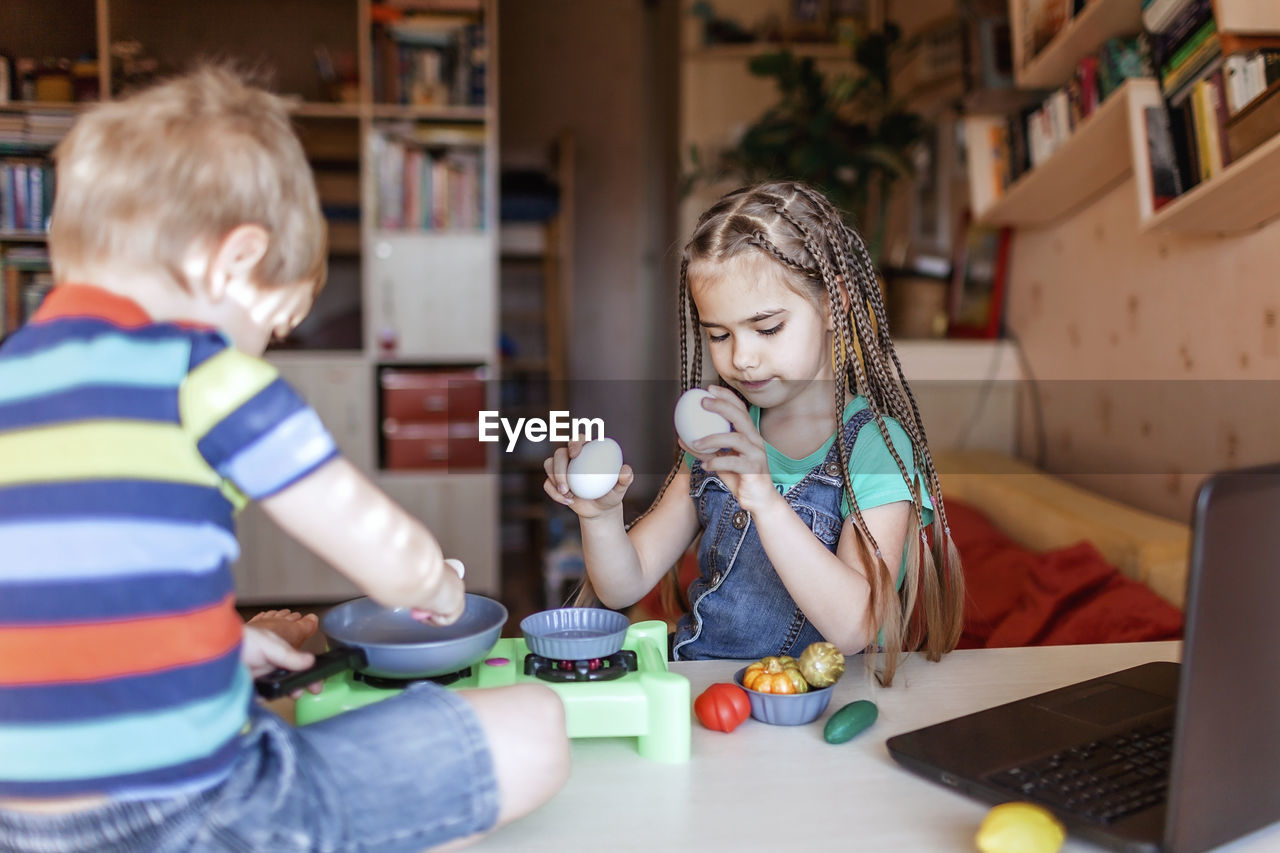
1243 197
397 111
738 52
24 236
311 109
1082 35
1092 160
45 106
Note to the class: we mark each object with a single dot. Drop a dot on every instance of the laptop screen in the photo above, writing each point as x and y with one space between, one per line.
1225 775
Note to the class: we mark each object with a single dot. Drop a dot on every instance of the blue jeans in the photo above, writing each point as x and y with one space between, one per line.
739 607
405 774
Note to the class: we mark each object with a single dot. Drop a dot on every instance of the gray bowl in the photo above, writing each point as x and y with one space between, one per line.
785 709
574 633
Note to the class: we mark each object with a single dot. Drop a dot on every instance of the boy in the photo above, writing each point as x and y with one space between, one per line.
135 414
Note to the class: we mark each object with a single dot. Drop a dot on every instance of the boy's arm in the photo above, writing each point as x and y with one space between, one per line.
350 523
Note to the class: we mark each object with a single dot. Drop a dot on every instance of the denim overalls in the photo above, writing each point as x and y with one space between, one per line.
739 608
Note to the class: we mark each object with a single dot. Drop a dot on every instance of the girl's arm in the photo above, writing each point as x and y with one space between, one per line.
623 566
350 523
831 589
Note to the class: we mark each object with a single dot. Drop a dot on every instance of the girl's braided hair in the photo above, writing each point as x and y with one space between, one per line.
828 262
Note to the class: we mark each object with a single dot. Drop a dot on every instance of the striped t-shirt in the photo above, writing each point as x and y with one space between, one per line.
125 447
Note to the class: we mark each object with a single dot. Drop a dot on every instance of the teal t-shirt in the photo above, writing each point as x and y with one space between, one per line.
875 476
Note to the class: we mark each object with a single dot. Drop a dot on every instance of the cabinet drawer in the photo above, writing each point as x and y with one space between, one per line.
453 446
432 395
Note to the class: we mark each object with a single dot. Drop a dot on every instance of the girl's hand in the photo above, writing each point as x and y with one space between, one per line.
557 484
263 651
738 458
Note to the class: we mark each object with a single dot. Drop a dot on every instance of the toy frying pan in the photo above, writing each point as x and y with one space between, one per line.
574 633
372 639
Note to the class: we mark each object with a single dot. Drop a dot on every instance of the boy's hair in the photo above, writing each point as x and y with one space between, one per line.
179 165
822 258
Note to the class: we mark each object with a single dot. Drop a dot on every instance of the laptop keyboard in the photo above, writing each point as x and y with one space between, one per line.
1101 781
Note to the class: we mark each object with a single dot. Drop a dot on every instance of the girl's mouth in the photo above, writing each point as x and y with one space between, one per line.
754 386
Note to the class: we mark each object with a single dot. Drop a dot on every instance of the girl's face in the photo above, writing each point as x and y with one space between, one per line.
766 340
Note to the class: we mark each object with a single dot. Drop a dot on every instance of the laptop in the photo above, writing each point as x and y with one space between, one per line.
1162 756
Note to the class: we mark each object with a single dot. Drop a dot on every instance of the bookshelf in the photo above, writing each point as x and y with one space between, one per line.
1243 197
1098 21
1097 156
1112 143
418 295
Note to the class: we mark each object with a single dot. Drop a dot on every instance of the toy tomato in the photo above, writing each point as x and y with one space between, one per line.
721 707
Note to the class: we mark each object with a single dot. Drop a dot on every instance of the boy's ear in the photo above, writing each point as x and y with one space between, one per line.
235 258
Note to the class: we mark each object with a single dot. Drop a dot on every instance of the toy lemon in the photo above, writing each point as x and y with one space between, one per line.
1019 828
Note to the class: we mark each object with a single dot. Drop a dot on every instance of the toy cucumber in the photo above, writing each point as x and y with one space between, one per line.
849 720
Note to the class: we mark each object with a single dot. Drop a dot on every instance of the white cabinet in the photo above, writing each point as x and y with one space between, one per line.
461 510
432 296
341 390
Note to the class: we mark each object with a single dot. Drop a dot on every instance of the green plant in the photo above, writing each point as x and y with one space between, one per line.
847 136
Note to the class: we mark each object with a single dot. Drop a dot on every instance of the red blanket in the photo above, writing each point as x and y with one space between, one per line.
1016 597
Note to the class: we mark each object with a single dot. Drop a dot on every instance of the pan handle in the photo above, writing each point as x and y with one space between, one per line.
282 682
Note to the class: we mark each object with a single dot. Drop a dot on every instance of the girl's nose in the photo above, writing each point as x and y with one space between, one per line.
744 356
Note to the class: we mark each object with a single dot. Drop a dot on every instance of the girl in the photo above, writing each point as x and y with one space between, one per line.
813 510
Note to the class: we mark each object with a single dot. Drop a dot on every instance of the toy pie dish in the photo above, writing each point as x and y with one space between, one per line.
785 709
574 633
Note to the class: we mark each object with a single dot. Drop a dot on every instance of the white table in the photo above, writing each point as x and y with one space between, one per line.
780 789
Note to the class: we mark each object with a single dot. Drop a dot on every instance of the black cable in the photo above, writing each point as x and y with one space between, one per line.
1037 410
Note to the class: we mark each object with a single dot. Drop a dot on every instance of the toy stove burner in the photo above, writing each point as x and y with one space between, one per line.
401 683
608 668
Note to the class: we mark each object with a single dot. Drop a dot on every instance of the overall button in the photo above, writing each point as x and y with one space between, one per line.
740 519
833 469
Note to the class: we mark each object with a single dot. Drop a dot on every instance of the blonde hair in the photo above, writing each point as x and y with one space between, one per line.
180 165
821 257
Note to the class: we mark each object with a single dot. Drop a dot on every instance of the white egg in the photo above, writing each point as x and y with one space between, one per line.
594 471
694 422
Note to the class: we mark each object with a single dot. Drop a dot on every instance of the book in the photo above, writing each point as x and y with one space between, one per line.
1160 14
1206 59
1166 183
1256 123
1217 94
1187 24
1181 124
1184 51
1206 131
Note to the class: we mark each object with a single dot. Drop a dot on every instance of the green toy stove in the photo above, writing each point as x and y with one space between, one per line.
629 694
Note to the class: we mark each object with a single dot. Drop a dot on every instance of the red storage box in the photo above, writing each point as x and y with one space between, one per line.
452 446
417 395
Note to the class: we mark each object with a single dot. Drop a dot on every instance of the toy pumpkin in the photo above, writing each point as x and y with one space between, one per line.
821 664
775 674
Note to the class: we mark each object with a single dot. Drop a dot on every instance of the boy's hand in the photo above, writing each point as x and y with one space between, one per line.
738 458
452 590
557 484
263 652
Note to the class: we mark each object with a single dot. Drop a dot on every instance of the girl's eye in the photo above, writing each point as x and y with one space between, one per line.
717 338
772 331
